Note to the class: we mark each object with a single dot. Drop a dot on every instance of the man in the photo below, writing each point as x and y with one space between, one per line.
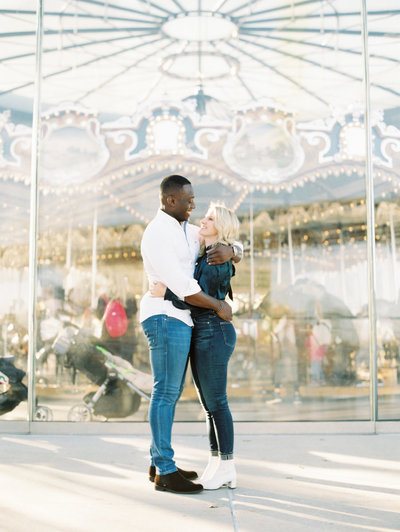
170 248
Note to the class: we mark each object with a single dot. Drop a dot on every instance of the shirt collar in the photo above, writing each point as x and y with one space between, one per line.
167 218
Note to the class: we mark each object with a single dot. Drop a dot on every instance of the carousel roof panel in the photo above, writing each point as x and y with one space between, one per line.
113 56
121 65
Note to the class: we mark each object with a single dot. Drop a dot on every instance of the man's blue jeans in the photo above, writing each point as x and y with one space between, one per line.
169 343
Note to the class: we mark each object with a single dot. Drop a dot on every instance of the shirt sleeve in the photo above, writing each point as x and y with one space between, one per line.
165 266
178 303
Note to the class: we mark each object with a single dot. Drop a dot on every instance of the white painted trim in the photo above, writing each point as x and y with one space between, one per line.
198 428
388 427
14 427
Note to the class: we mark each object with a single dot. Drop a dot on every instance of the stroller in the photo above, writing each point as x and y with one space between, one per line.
121 386
13 390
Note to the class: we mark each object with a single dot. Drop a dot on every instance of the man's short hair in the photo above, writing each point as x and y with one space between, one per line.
173 182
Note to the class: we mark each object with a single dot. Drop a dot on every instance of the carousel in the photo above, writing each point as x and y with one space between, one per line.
260 104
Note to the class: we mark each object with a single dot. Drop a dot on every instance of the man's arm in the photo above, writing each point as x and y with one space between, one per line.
162 264
222 253
201 299
166 267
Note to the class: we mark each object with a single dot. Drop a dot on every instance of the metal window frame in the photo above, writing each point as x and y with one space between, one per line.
371 426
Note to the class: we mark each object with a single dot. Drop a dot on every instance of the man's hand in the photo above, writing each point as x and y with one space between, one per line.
226 311
219 255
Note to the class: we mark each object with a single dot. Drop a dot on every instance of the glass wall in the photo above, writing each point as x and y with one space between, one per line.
386 121
261 105
15 147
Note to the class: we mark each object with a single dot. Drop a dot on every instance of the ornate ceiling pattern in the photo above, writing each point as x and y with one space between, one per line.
116 56
261 153
259 103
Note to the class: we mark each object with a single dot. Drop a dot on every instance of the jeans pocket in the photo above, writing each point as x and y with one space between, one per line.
202 336
229 333
150 329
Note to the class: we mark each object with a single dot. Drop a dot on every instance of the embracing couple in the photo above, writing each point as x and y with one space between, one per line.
189 271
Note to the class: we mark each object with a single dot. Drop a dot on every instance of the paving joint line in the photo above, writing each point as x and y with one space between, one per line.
232 508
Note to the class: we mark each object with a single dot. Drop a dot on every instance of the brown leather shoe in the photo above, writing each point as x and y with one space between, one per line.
189 475
176 483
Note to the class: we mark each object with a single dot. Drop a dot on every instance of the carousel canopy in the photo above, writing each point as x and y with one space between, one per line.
115 56
259 103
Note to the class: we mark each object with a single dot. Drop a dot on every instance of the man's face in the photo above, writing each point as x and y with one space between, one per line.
183 203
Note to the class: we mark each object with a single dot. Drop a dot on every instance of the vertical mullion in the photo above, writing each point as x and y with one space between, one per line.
370 202
34 218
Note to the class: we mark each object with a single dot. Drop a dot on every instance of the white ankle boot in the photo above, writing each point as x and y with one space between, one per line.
211 467
224 474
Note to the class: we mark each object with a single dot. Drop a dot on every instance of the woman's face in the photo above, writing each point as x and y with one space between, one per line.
207 226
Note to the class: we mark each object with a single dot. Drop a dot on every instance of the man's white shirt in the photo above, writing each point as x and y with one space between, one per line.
169 252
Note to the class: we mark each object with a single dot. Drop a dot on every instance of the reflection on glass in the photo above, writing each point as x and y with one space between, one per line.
386 121
15 136
276 131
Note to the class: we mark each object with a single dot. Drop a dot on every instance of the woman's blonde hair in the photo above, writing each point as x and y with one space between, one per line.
226 223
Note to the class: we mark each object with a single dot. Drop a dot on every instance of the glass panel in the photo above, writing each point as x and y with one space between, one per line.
262 108
88 248
271 123
302 350
385 88
17 69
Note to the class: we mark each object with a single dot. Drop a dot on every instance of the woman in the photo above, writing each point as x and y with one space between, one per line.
213 341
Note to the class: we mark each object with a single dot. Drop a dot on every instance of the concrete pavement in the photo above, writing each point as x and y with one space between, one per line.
65 483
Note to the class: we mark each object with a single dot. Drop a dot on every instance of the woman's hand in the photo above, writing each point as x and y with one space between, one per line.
157 289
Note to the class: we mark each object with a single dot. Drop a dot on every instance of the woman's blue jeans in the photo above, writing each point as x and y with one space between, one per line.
169 343
213 341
